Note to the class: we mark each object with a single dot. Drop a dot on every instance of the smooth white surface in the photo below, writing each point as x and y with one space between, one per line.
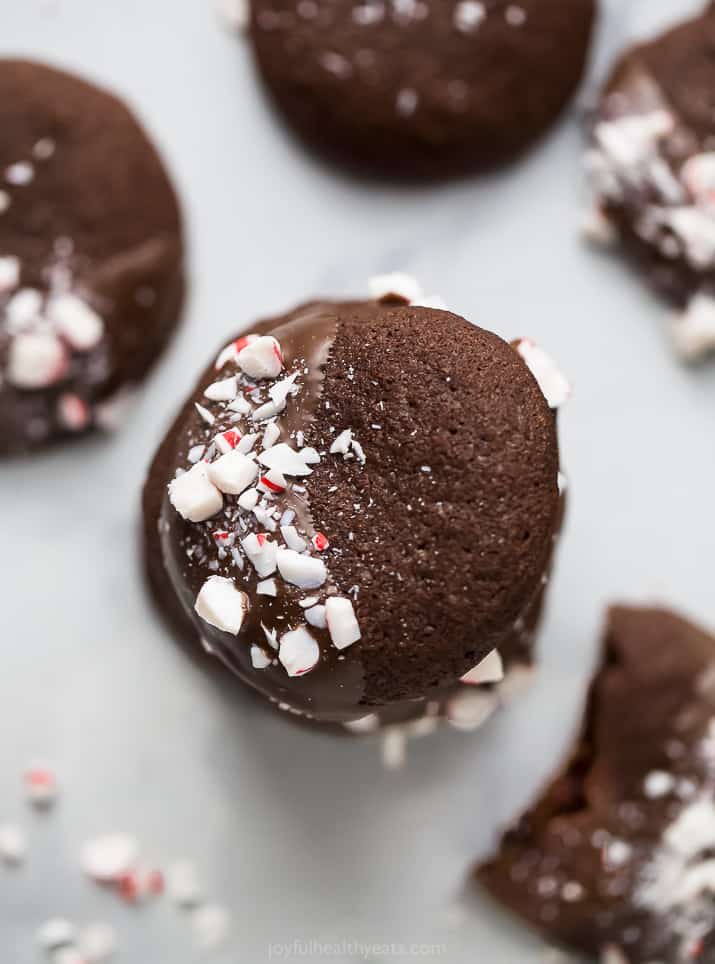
304 836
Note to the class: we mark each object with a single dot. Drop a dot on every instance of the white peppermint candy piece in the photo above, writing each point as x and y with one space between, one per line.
230 352
342 623
9 274
106 859
298 652
36 360
227 441
279 391
224 391
698 175
220 604
246 443
23 309
97 942
268 587
397 284
552 382
56 932
489 670
271 435
273 481
293 539
469 709
235 14
183 885
13 844
696 229
302 571
284 459
194 496
341 445
233 472
75 320
316 617
249 499
259 660
240 404
269 410
309 455
205 414
262 553
261 358
693 331
630 141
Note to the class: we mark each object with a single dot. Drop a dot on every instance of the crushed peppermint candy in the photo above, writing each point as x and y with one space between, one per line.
305 572
298 652
194 496
221 604
342 623
552 382
489 670
41 788
107 859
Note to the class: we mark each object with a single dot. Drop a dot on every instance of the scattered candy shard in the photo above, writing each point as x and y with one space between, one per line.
221 604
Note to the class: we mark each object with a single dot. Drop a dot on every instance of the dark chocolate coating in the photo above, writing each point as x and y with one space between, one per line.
103 198
447 561
589 864
674 72
412 94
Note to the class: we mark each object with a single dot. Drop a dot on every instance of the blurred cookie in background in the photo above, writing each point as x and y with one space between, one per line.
91 256
421 87
616 857
651 164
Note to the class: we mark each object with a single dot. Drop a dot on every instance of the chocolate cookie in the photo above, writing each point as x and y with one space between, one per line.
420 87
616 858
356 507
652 166
91 275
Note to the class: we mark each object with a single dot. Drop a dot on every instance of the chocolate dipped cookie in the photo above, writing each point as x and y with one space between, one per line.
616 857
91 256
651 164
356 508
418 87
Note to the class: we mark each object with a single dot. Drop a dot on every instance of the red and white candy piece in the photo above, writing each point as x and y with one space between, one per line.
227 441
342 622
224 391
271 435
9 274
231 351
261 553
41 789
75 320
246 444
249 499
553 384
698 175
240 404
13 844
261 358
106 859
309 455
233 473
268 410
205 414
73 412
273 481
469 709
320 541
489 670
298 652
194 496
267 587
36 360
341 445
284 459
259 660
221 604
279 391
302 571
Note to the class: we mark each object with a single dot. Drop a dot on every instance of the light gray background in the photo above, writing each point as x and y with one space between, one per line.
302 835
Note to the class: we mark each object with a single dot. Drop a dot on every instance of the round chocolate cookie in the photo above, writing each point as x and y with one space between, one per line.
91 256
615 860
421 87
357 505
651 163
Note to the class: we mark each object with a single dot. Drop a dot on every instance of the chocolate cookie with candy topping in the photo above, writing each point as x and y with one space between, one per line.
91 256
651 163
356 508
616 857
421 87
